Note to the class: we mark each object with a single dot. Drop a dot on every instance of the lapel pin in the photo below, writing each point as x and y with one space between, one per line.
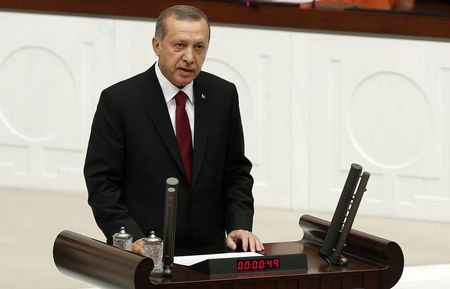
203 96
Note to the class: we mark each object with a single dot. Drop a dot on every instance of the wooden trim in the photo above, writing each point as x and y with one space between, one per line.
374 263
367 22
99 264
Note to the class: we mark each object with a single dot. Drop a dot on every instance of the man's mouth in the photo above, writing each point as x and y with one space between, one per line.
186 71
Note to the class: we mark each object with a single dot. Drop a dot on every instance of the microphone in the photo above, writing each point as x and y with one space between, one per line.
170 218
341 210
336 257
344 215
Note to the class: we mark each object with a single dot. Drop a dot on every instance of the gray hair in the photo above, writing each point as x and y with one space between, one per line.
181 12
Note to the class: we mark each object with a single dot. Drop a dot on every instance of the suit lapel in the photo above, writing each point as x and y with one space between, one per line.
156 107
201 125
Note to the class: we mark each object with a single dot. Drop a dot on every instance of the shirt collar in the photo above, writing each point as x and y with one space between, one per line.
169 90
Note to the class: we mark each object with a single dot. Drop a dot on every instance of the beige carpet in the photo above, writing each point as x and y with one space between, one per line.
32 219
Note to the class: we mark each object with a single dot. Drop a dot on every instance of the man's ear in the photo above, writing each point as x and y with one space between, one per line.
156 45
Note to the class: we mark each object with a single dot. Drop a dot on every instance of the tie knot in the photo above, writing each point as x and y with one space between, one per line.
180 98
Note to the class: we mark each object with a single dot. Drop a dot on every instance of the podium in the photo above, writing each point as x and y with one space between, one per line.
374 263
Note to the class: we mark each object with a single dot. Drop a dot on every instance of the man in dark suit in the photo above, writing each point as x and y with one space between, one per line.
172 121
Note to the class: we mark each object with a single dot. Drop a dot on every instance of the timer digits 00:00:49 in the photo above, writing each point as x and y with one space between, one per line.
257 264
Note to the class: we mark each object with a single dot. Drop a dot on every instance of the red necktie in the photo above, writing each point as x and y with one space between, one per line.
184 136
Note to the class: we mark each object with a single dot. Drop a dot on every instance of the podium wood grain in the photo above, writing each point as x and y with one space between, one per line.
374 263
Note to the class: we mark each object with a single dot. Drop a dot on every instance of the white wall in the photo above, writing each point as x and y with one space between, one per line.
311 105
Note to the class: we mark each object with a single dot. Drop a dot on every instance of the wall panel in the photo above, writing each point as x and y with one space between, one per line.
49 69
377 102
311 105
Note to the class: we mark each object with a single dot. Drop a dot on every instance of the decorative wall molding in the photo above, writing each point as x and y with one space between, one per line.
311 105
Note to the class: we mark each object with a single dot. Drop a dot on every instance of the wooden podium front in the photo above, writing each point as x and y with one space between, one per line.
374 263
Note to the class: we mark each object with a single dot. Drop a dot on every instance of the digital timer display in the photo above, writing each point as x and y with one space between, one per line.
245 265
257 264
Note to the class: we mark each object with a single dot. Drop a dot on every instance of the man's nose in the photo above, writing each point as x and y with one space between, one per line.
188 55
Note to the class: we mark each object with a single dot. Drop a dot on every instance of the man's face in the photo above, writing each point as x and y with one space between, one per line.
183 49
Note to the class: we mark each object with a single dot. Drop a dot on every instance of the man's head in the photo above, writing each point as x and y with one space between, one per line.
181 41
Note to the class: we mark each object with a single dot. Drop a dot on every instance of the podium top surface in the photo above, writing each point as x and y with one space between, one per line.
374 263
367 255
316 265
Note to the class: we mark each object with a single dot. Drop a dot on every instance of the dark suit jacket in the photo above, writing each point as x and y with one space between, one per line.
133 150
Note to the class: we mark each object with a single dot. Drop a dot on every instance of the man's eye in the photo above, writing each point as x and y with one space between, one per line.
179 45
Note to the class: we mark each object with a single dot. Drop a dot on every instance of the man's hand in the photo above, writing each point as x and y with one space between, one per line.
248 240
138 247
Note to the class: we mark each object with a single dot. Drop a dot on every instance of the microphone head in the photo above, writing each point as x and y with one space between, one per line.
172 182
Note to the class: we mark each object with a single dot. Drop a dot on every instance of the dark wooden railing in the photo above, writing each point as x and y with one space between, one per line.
430 19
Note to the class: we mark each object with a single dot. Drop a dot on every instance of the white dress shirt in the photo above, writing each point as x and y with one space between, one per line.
169 90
